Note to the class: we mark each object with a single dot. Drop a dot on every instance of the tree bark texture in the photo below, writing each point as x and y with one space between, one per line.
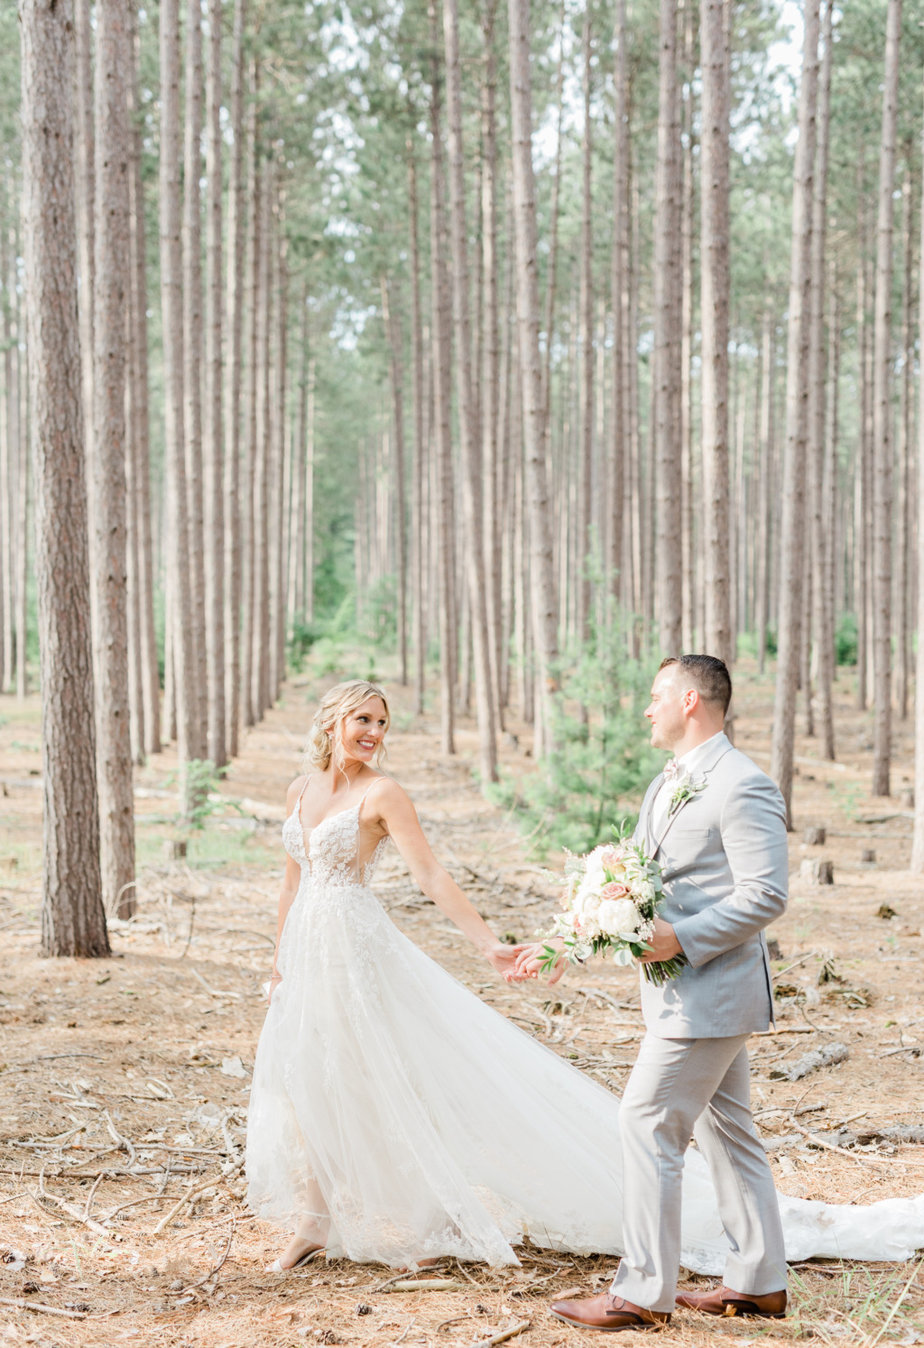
73 917
882 418
111 287
789 624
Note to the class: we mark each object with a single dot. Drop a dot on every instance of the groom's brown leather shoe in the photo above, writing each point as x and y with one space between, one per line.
722 1300
608 1313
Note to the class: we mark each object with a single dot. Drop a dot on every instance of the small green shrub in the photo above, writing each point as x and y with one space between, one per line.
845 639
590 785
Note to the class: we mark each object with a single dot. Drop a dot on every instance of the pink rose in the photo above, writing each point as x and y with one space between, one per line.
615 890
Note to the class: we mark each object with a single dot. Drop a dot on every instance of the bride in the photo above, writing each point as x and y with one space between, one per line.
394 1117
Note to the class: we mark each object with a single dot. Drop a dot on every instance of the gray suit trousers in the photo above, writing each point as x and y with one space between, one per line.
698 1087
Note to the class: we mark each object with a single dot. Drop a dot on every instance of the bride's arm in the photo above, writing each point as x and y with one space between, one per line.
290 880
398 817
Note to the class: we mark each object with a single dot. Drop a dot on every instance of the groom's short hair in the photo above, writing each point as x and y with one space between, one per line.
708 674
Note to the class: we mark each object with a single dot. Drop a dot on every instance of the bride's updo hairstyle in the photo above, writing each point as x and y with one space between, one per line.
336 705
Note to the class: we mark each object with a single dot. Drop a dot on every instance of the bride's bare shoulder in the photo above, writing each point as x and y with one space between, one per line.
295 790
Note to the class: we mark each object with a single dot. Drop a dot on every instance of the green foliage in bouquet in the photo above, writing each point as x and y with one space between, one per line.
595 776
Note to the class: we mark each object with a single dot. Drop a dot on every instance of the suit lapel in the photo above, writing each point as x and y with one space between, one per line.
722 746
647 807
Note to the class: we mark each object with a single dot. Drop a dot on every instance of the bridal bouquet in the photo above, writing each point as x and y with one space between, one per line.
612 897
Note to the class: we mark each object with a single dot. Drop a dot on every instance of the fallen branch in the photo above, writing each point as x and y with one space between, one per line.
187 1198
826 1056
73 1212
420 1285
503 1335
23 1305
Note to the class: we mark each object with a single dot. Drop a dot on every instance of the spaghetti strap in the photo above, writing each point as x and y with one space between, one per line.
367 790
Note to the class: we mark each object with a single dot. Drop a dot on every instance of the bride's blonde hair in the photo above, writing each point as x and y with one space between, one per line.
335 706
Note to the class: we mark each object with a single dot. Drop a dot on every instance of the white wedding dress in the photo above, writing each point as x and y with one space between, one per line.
406 1119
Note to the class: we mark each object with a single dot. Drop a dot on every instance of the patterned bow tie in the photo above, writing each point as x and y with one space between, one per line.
672 769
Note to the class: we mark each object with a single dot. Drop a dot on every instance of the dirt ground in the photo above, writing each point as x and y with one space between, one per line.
124 1081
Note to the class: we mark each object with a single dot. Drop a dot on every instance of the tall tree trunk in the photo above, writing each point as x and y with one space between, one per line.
882 416
84 194
472 506
73 917
233 549
418 489
542 577
249 452
213 439
107 478
789 624
904 517
395 345
147 636
442 397
179 598
620 436
668 539
716 287
192 355
821 541
917 845
491 457
585 486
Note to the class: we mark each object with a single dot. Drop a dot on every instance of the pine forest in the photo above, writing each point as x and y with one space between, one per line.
517 345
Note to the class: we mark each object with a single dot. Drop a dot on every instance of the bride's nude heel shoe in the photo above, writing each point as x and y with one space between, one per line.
312 1252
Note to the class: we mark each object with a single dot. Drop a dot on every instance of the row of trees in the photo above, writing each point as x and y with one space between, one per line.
339 342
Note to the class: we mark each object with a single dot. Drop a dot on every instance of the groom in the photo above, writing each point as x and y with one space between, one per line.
717 825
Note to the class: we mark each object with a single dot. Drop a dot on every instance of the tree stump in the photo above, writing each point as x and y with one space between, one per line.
868 856
820 872
175 849
814 837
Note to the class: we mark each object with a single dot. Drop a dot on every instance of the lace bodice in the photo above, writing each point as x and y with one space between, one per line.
330 852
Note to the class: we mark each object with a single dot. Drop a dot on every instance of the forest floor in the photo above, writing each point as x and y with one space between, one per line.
124 1081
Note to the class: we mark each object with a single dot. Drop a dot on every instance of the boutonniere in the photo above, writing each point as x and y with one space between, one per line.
686 786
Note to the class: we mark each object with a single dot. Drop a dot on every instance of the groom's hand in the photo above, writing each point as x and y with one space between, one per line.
532 960
664 944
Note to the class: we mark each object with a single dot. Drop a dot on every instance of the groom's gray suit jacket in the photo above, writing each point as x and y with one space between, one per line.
725 871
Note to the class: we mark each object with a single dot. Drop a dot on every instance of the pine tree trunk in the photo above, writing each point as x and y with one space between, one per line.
147 636
789 626
668 537
543 601
281 443
442 397
691 485
585 485
213 439
821 541
882 416
84 194
472 503
249 451
233 544
491 457
179 600
192 355
107 488
917 845
903 532
73 917
716 287
395 345
620 439
419 471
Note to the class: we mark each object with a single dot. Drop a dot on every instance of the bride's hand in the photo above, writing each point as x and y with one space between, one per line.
504 959
533 960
